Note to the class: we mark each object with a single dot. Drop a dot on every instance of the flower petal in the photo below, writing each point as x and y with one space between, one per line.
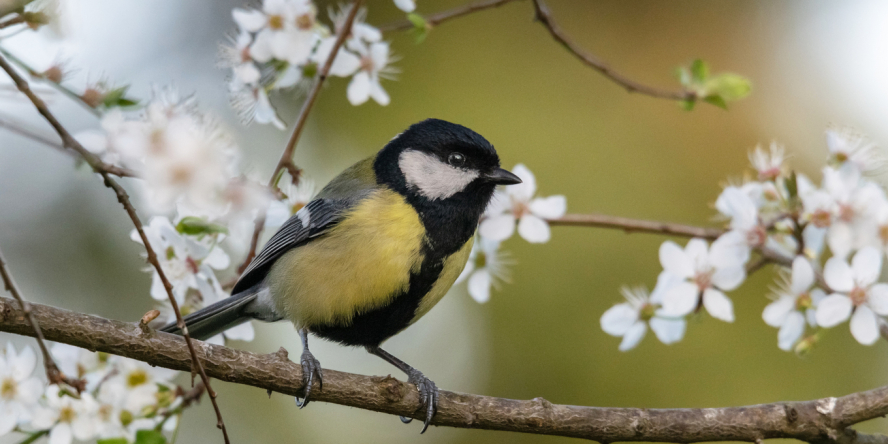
525 190
23 364
866 265
864 326
718 305
729 278
617 320
802 275
8 417
498 228
878 299
249 19
833 310
551 207
791 331
406 5
359 88
668 331
675 260
838 275
633 336
533 229
60 434
479 285
681 300
665 281
729 250
776 312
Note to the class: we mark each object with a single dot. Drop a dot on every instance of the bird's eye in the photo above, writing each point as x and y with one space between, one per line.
456 159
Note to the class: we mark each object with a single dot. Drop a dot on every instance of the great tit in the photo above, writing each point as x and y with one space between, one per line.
377 248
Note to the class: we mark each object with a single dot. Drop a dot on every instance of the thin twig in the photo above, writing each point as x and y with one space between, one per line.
821 420
18 19
443 16
545 17
286 160
58 86
636 225
99 167
68 141
53 374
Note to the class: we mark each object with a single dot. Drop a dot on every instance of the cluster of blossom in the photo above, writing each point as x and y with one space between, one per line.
283 43
783 216
122 398
510 206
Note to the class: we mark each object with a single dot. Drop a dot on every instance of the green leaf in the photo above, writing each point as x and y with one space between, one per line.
420 29
195 226
699 71
683 75
717 101
729 86
117 97
792 185
150 437
112 441
687 104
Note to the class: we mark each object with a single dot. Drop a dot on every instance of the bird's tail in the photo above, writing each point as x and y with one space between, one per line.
216 318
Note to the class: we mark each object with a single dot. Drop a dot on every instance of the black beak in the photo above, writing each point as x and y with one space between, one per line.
500 176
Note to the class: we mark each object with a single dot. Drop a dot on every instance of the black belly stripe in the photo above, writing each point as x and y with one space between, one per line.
373 327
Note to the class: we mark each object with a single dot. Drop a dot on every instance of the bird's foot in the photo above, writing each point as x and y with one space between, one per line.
428 394
311 370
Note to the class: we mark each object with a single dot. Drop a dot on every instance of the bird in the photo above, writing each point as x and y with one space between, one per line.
373 252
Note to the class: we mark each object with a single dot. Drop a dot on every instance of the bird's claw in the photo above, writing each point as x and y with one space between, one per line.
311 368
428 393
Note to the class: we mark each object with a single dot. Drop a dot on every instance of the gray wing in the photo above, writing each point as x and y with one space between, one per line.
320 215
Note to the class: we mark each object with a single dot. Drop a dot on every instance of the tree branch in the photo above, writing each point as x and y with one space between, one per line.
53 374
545 17
286 160
101 168
821 420
636 225
443 16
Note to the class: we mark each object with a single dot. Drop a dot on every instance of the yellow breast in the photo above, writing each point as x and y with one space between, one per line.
359 265
453 266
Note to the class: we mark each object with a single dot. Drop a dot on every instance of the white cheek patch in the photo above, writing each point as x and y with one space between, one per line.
431 177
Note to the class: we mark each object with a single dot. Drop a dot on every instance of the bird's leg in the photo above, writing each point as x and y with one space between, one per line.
311 368
428 392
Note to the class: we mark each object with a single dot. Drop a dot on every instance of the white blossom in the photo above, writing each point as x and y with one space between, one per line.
855 205
487 267
517 203
857 295
746 228
795 303
704 272
374 59
19 389
67 418
295 198
768 164
285 30
406 5
629 319
848 147
252 105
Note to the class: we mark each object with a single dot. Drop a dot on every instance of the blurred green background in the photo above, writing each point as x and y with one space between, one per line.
812 63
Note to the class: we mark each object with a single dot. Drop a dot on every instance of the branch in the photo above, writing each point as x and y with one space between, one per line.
286 160
99 167
443 16
545 17
53 374
822 420
58 86
636 225
18 128
18 19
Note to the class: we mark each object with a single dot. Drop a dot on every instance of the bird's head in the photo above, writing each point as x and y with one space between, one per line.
434 160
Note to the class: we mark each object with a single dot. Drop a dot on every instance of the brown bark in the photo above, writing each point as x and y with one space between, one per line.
822 420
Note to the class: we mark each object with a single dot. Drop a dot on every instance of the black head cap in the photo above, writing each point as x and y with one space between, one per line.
450 144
